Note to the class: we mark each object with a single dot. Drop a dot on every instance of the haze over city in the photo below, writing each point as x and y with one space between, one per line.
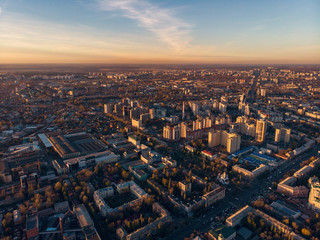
159 120
149 31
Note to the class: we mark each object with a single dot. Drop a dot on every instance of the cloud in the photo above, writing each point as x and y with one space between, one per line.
230 43
20 35
160 21
0 10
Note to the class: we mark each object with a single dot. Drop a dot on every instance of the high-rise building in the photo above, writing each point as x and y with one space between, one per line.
152 113
215 104
134 104
247 110
135 113
183 111
184 129
314 196
282 135
172 133
214 138
108 108
136 123
223 107
231 141
126 101
263 92
195 108
145 116
261 130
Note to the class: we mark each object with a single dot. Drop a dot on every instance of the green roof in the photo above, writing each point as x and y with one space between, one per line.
225 231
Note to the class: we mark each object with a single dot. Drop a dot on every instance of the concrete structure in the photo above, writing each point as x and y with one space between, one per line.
287 187
209 155
172 133
108 108
250 174
285 211
206 200
278 225
151 228
134 140
223 233
137 123
32 226
282 135
213 196
236 218
231 141
101 194
261 128
86 222
314 196
92 158
185 187
303 172
150 157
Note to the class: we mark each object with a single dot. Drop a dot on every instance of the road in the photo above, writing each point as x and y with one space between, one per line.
258 188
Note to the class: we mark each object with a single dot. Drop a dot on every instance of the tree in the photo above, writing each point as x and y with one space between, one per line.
306 232
85 199
58 186
295 225
286 221
125 174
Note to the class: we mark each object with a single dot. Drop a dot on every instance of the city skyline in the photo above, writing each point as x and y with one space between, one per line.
147 31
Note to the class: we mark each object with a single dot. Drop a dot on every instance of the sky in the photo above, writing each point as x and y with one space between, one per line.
160 31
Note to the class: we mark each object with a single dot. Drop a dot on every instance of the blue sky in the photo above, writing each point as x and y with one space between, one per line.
149 31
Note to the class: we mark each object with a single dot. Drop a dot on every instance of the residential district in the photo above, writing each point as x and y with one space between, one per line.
165 153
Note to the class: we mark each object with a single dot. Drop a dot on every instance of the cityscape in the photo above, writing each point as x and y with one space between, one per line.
140 129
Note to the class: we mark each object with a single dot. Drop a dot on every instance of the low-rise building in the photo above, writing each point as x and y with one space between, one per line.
223 233
150 157
314 196
287 187
237 217
209 155
250 174
101 194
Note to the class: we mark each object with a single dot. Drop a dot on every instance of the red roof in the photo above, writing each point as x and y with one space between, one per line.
207 152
